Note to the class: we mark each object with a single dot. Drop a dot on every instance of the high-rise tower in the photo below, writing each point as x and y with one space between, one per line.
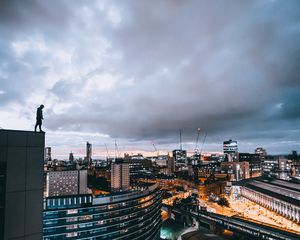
88 152
120 180
230 149
21 184
48 154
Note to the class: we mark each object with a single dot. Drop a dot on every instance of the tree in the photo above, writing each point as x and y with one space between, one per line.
223 202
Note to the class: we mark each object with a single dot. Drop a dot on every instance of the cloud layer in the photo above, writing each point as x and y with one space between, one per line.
141 70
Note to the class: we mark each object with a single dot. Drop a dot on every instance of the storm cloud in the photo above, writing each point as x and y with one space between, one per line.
139 71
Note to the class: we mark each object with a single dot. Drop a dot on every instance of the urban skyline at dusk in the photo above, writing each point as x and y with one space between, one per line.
150 120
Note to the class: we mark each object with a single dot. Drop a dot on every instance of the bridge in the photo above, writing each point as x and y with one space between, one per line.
242 229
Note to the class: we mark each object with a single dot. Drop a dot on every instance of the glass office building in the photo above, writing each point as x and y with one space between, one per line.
129 215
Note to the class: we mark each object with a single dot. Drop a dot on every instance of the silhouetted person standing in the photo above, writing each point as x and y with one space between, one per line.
39 118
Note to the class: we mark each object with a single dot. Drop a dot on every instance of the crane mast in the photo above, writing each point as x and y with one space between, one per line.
180 139
106 151
203 143
155 148
197 140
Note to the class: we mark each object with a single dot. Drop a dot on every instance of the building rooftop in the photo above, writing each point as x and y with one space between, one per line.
284 191
285 184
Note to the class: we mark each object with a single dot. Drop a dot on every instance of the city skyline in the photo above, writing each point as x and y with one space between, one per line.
140 71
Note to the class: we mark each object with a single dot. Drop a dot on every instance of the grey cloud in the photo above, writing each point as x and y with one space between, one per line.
34 14
221 67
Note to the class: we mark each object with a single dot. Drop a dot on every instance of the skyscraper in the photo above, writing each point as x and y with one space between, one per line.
21 184
71 157
120 180
180 157
230 149
171 165
48 154
88 152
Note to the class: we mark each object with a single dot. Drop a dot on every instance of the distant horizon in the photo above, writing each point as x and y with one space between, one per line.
78 150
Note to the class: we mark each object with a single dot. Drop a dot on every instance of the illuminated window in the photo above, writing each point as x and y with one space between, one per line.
72 211
72 234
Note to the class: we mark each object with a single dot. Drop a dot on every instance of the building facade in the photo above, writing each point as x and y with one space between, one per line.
162 160
236 170
230 146
261 152
255 163
171 165
137 166
180 157
269 166
131 216
62 183
216 188
71 157
120 176
279 196
21 184
230 149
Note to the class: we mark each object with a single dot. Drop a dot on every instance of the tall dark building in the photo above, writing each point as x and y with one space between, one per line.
120 177
230 146
71 157
171 165
21 184
138 165
88 152
255 162
230 149
180 157
261 152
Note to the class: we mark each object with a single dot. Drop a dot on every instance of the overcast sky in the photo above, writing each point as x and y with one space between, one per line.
138 71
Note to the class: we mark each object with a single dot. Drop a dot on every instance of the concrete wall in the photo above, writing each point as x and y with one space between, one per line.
23 153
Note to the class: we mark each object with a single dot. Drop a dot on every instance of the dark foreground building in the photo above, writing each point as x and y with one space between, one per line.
131 215
21 184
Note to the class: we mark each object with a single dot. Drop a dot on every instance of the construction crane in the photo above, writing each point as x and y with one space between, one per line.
196 152
197 140
205 134
107 151
180 139
155 148
117 154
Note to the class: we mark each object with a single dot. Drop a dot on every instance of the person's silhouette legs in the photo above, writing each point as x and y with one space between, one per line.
40 127
38 123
